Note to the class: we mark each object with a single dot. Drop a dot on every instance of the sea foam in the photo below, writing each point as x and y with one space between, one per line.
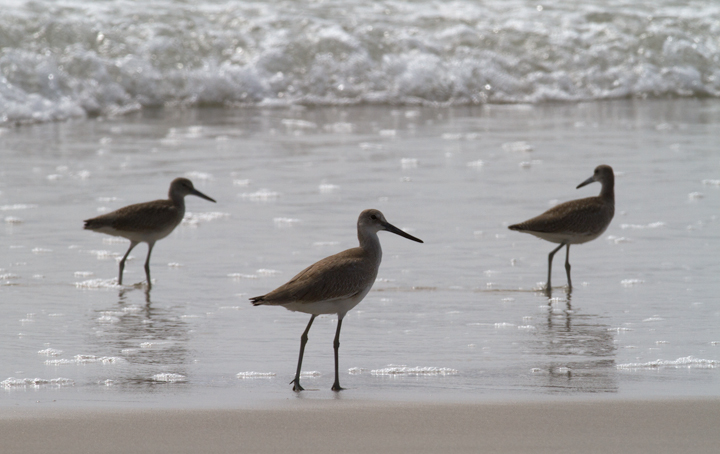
79 59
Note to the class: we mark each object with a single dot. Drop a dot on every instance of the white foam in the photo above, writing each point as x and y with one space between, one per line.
238 276
459 57
327 188
618 239
414 371
285 222
195 175
652 225
169 378
12 383
311 374
17 206
688 362
194 219
299 124
98 284
262 195
631 282
515 147
50 352
253 375
156 345
504 325
85 359
325 243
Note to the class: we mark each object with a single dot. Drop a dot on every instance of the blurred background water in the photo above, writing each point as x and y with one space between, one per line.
75 58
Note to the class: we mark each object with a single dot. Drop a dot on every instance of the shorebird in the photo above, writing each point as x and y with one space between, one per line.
335 284
146 222
577 221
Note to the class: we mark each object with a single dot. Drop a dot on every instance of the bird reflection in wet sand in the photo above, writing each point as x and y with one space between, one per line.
151 343
575 222
146 222
575 351
335 284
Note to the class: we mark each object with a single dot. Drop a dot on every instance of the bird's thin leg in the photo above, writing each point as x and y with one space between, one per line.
550 259
147 264
567 266
122 262
336 346
303 341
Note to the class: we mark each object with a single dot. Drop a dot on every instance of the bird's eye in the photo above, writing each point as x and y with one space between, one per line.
373 217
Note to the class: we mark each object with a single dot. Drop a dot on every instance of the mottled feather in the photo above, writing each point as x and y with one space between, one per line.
350 274
586 216
157 215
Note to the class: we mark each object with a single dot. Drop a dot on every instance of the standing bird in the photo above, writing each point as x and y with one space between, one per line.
335 284
577 221
146 222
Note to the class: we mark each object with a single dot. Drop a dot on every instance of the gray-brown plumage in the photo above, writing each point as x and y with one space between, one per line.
576 221
335 284
146 222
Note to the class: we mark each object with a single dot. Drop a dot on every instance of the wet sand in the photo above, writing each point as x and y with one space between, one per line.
298 426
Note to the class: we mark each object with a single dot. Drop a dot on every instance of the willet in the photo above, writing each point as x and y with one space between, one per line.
146 222
335 284
577 221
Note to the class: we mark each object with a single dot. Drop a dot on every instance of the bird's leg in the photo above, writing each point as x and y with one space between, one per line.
303 341
122 262
147 264
567 266
550 259
336 347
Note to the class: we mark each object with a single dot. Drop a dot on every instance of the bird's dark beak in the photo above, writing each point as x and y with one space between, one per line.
201 195
391 228
586 182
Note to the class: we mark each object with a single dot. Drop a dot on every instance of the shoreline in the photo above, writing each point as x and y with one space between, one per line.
320 426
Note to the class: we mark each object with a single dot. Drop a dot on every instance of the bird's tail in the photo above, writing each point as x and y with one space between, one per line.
258 300
91 224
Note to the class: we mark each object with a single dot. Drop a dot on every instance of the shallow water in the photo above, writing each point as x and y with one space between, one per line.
456 318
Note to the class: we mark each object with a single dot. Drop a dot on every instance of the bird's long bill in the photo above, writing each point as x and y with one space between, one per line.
586 182
200 194
391 228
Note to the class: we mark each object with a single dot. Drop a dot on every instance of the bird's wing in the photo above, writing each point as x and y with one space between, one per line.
156 215
575 216
339 276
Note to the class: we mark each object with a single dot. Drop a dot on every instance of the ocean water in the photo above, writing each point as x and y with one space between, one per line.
456 119
459 317
73 59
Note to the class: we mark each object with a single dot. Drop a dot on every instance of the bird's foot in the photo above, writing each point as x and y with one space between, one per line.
336 387
296 385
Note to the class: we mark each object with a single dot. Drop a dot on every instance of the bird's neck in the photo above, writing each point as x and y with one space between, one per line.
177 200
607 192
370 243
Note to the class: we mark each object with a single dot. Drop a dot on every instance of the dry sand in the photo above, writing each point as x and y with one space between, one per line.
594 426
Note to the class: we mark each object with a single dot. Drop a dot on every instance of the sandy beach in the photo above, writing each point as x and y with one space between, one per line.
588 426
